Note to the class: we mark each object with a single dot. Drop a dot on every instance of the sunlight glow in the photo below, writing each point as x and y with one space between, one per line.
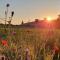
49 18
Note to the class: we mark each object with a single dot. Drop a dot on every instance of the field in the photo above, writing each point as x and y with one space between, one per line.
37 42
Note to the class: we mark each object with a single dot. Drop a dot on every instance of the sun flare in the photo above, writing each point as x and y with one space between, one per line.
49 18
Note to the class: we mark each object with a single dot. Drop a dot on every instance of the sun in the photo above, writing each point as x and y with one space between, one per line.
49 18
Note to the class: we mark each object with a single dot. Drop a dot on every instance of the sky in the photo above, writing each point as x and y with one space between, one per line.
28 10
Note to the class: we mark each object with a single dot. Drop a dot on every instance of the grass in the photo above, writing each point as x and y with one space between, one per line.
33 39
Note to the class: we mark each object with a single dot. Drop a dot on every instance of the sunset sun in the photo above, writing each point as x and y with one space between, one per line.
49 18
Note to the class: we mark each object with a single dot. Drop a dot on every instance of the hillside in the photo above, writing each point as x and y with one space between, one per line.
54 24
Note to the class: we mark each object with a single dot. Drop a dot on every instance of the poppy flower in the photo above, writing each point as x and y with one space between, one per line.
4 42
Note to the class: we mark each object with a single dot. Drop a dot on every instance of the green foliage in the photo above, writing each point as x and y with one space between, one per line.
4 36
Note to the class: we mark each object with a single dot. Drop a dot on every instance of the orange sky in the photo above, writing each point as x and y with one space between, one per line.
28 10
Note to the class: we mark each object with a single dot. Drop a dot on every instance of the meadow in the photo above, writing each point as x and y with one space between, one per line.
37 41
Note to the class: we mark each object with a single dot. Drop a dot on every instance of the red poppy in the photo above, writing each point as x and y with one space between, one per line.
4 42
56 48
